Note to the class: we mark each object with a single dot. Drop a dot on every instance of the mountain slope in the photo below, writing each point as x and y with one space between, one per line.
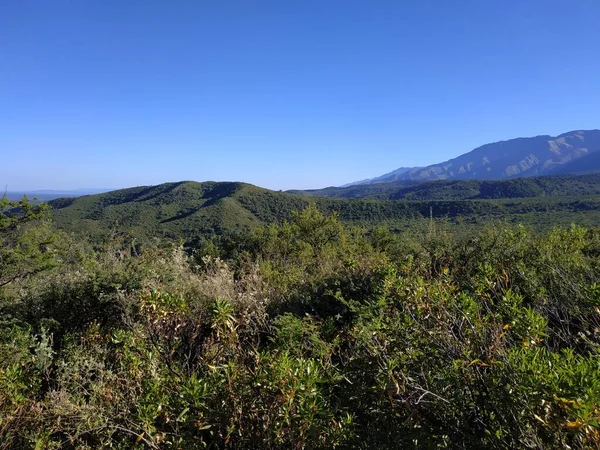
394 175
587 164
522 157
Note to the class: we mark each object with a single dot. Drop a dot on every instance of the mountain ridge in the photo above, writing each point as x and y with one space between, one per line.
513 158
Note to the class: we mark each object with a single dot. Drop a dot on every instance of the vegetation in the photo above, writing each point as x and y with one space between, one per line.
556 186
194 212
310 332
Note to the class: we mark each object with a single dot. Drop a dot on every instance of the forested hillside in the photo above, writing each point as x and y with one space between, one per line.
193 212
555 186
305 333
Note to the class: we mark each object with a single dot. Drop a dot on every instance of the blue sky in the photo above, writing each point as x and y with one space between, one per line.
282 94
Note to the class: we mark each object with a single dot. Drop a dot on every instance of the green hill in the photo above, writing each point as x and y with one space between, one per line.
191 211
169 210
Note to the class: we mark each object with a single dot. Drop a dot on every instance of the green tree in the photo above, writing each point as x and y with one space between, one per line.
25 239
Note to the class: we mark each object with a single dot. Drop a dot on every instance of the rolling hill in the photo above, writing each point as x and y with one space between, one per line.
192 211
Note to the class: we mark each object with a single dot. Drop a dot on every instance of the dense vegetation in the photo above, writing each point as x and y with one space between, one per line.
194 211
306 333
557 186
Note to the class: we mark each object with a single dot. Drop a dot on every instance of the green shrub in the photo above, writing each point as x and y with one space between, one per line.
312 335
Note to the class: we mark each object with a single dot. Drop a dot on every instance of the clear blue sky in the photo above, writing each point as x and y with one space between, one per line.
283 93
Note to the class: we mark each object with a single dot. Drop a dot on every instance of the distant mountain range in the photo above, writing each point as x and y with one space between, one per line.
572 153
394 175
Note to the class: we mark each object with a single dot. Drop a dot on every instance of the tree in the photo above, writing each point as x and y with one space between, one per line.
25 239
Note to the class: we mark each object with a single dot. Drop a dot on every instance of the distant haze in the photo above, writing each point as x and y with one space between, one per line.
46 195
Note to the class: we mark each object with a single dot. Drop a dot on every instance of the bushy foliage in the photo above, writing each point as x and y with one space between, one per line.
23 248
308 334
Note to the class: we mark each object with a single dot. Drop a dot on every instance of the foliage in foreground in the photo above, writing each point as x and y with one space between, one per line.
309 335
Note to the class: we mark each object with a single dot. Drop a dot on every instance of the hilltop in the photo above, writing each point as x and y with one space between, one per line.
170 210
